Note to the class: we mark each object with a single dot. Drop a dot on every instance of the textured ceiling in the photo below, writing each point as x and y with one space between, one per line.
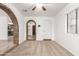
52 9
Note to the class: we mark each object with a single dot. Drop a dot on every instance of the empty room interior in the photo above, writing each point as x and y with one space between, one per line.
39 29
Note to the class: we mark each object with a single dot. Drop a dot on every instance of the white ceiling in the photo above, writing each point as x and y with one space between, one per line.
52 9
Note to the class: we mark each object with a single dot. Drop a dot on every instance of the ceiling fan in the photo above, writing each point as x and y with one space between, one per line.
41 6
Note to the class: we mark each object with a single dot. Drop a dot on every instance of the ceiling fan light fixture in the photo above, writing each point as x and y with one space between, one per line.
34 8
43 8
39 6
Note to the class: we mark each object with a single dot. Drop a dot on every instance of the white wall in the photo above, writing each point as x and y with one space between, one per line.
46 29
67 40
3 28
4 20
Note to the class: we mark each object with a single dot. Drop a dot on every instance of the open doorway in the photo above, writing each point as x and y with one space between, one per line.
31 30
13 18
9 33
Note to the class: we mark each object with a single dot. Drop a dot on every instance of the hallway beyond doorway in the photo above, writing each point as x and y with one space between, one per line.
39 48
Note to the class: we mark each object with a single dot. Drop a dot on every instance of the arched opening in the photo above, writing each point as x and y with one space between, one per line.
31 30
14 21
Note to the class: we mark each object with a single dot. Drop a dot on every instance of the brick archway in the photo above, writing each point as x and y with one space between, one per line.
14 21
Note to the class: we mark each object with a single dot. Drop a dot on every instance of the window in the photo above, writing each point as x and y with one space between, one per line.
71 22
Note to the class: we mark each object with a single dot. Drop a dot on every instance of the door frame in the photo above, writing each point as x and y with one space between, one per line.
13 18
27 28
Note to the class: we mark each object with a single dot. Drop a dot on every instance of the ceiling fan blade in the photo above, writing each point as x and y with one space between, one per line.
34 8
43 8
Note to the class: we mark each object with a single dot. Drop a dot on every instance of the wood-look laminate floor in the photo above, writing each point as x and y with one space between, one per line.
5 45
39 48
